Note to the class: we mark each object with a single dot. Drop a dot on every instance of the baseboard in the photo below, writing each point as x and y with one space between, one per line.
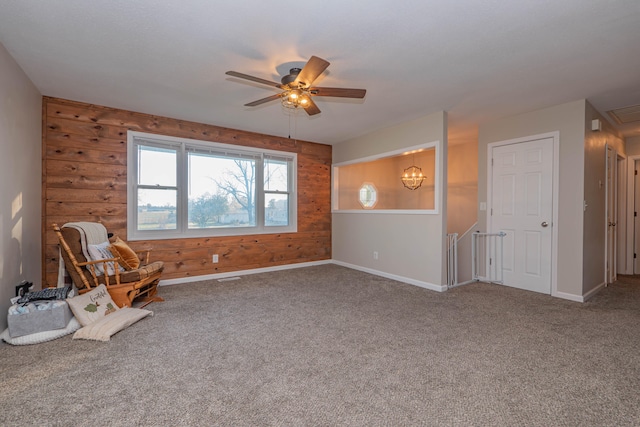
426 285
218 276
580 298
570 297
594 291
419 283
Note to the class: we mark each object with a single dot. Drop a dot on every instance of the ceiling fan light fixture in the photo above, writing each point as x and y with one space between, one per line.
294 98
294 94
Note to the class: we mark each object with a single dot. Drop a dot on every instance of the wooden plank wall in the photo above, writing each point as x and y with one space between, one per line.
85 179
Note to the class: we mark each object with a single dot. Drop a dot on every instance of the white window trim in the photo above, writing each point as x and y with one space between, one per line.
181 209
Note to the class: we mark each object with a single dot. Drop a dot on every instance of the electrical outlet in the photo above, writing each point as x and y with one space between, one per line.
214 258
375 254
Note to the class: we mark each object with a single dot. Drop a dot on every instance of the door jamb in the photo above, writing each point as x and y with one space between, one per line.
611 180
555 136
622 202
631 166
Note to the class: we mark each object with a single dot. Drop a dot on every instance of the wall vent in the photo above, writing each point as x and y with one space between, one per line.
626 115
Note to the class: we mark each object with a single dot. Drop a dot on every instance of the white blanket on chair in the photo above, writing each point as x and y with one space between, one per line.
91 233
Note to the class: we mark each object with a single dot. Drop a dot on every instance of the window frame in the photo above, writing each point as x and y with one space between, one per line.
185 145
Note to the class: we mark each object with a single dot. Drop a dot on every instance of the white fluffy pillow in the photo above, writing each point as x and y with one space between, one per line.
102 251
92 306
43 336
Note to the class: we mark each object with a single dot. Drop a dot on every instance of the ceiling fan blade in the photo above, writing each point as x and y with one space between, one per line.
312 109
253 79
338 92
263 100
312 69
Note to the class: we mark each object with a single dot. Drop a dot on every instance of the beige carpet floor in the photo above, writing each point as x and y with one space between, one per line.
330 346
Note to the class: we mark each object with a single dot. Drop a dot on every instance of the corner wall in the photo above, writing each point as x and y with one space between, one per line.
20 174
409 246
569 120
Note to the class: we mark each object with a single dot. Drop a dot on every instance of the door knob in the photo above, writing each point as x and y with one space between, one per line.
544 223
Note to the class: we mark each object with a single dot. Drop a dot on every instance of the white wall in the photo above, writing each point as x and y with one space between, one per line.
409 246
633 145
569 120
21 175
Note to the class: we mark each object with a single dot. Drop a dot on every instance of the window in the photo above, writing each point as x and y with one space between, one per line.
186 188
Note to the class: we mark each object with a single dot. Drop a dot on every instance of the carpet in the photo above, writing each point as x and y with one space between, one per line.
328 345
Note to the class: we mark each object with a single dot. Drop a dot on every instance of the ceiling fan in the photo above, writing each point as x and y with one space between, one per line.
296 87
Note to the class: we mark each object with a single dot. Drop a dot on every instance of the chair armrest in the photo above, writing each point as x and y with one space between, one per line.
143 255
98 261
91 267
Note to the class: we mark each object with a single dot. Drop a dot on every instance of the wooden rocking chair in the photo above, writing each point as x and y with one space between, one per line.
140 284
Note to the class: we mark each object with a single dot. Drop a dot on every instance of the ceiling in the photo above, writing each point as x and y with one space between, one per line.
478 60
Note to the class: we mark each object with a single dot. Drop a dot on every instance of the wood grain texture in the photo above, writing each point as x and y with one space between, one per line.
85 175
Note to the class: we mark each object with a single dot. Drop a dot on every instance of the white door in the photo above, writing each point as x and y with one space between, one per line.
521 207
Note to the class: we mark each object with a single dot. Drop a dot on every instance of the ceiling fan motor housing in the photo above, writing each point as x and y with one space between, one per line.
291 77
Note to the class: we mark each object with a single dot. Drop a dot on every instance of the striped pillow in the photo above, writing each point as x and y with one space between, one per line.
103 329
101 251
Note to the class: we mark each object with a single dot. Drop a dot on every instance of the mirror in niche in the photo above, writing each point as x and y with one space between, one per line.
384 175
368 195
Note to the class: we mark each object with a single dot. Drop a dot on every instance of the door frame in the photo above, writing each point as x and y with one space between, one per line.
631 199
610 203
555 136
620 183
622 227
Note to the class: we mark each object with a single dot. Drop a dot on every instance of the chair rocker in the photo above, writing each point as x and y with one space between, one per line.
139 284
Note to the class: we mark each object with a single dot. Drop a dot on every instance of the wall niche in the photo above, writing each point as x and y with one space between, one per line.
384 173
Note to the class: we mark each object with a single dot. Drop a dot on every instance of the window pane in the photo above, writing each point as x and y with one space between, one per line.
157 209
275 175
221 191
208 210
157 166
276 209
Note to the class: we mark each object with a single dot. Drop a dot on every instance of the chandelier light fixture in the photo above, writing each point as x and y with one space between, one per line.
412 177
